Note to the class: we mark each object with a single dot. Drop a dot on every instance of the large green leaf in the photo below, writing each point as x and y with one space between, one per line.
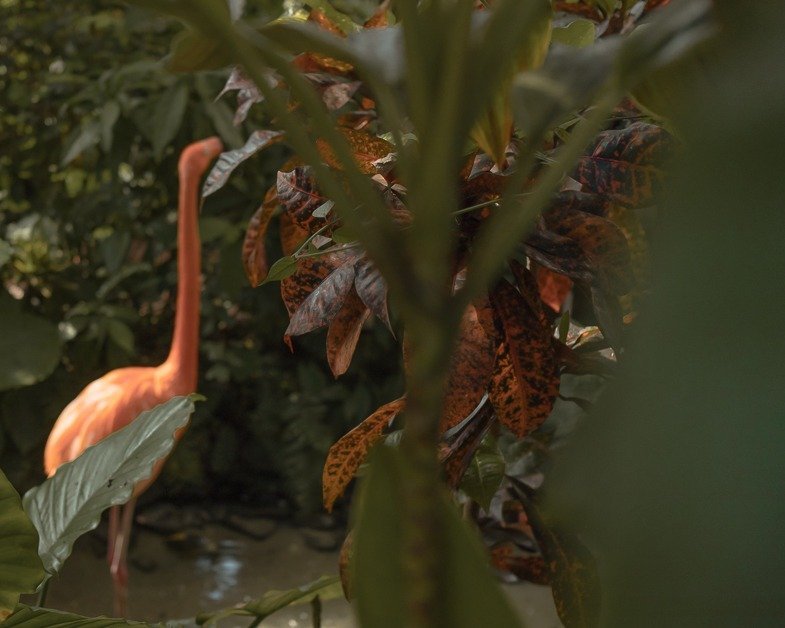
20 567
471 596
325 588
168 117
677 480
27 617
71 502
29 346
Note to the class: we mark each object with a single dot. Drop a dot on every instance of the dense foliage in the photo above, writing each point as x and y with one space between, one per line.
92 125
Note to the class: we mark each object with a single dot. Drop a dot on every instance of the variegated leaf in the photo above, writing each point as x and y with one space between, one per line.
230 160
344 332
346 456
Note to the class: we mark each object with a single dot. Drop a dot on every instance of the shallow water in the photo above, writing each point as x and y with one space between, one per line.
223 569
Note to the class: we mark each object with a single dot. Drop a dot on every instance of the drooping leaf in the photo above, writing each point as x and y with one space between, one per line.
627 163
299 196
344 332
70 503
558 254
525 380
471 365
248 93
230 160
602 243
29 346
484 474
366 149
346 456
572 569
254 249
281 269
309 273
323 304
21 570
471 595
372 289
168 117
31 617
326 588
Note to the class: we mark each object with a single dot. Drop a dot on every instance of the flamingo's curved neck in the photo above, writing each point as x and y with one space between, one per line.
184 355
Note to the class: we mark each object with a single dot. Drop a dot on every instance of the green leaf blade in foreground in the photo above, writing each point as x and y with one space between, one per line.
21 570
28 617
71 502
471 596
326 588
29 346
484 474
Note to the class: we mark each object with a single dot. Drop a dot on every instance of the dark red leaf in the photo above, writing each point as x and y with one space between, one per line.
627 163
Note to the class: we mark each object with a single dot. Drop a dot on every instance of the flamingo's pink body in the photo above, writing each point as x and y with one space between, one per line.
113 401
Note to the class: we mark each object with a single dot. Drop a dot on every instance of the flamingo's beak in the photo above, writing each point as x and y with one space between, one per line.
212 147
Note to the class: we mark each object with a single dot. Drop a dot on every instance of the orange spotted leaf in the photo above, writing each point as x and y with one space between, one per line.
344 332
366 148
254 250
525 381
346 456
471 366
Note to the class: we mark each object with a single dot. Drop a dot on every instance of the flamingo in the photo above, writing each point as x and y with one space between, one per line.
114 400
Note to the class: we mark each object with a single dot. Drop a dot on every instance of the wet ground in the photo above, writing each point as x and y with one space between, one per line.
220 568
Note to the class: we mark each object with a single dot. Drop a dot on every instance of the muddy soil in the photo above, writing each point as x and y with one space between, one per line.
220 568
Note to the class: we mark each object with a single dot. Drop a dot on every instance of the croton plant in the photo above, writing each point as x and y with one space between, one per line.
517 339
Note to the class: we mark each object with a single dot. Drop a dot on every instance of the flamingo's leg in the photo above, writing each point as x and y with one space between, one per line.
114 524
118 566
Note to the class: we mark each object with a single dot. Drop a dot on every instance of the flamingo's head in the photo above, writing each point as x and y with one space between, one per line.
196 157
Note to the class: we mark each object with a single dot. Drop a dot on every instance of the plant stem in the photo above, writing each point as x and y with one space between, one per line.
43 593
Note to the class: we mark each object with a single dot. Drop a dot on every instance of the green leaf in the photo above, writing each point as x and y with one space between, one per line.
6 252
485 473
471 597
71 502
573 571
284 267
168 117
29 346
109 116
27 617
578 33
192 52
88 137
326 588
21 570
